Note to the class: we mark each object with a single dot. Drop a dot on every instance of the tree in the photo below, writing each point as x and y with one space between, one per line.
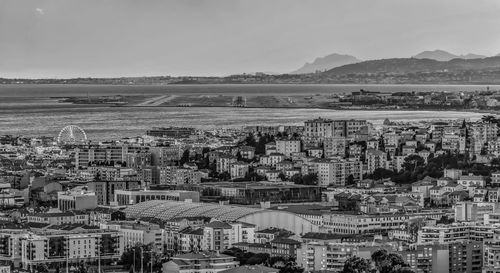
250 140
307 179
291 267
296 178
490 119
253 176
386 262
81 268
239 157
42 268
413 227
380 173
224 176
258 258
310 179
134 254
247 257
412 162
350 180
282 177
185 157
277 262
260 147
357 264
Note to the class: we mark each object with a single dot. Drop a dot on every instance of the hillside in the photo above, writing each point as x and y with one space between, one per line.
413 65
326 63
443 56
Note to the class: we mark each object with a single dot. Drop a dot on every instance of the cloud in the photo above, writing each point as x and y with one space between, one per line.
39 11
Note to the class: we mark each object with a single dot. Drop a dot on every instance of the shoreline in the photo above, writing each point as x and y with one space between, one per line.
315 108
465 83
103 106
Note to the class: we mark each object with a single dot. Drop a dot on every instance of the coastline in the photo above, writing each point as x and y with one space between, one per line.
312 108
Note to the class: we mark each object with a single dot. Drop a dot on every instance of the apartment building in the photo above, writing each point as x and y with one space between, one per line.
138 233
329 257
175 175
223 163
86 154
29 249
165 155
491 248
320 128
455 232
335 172
271 159
288 147
59 218
111 173
335 146
218 236
375 159
455 257
359 223
238 170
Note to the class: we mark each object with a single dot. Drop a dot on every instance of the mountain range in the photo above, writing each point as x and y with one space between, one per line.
414 65
334 60
443 56
325 63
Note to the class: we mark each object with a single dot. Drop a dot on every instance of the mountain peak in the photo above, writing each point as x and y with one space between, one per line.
444 56
326 63
438 55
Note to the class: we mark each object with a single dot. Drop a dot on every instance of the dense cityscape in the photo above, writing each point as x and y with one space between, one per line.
325 196
284 136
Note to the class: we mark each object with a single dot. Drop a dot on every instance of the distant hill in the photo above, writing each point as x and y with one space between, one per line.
412 65
443 56
326 63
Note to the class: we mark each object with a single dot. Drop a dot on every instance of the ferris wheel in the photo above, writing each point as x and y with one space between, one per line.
71 134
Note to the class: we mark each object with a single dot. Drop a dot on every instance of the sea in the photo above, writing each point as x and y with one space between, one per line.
34 110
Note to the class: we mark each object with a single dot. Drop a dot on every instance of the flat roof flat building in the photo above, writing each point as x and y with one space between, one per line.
130 197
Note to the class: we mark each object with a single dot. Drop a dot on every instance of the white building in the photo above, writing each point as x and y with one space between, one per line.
218 236
76 199
223 163
138 233
130 197
238 170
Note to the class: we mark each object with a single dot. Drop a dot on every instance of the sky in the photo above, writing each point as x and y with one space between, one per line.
112 38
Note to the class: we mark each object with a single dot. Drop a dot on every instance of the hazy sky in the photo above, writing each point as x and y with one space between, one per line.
69 38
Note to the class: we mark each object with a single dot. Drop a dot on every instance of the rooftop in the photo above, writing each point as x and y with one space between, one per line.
201 256
304 209
168 210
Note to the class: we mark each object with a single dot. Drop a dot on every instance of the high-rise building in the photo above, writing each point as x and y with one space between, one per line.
104 153
336 172
375 159
492 253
